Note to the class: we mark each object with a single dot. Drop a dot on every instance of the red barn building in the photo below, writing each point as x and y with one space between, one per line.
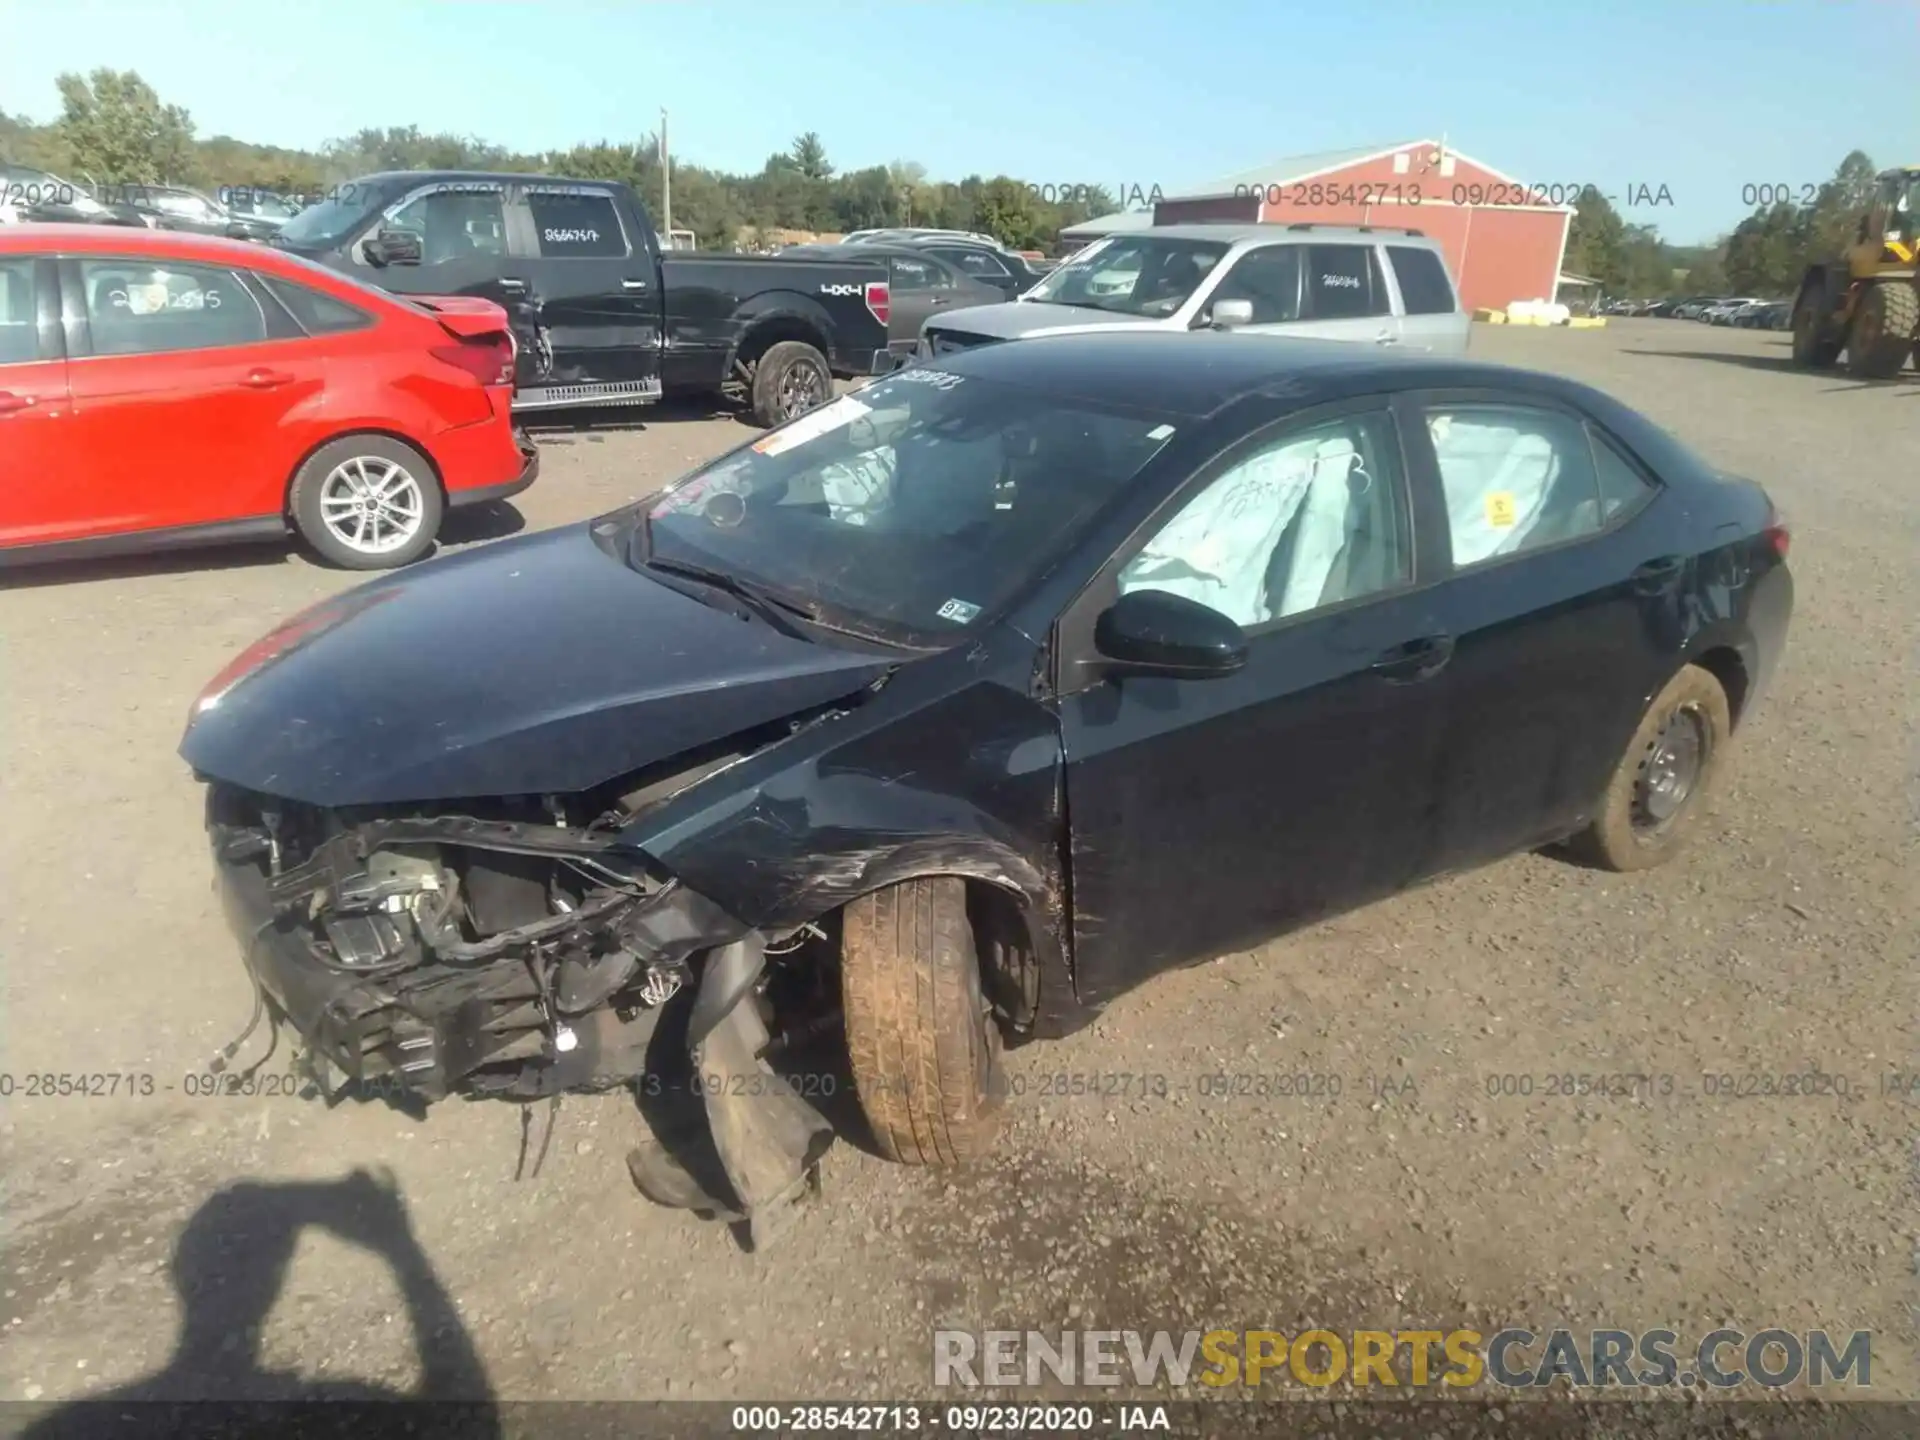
1505 239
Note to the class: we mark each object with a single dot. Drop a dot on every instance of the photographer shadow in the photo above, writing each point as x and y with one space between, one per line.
229 1264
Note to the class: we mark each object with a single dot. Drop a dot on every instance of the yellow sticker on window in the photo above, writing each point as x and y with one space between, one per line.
1500 510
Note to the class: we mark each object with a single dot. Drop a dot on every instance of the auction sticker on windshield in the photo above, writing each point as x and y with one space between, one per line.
959 611
812 426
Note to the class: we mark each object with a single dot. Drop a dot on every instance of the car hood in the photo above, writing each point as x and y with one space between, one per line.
1019 318
536 665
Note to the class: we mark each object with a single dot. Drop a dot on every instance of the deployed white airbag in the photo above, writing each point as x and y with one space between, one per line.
1218 548
1497 477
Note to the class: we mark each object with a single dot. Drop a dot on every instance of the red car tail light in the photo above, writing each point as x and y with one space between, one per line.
879 300
1775 532
489 358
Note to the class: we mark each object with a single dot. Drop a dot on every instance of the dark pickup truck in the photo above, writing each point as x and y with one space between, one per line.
602 315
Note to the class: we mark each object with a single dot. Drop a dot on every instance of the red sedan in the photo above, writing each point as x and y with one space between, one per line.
160 390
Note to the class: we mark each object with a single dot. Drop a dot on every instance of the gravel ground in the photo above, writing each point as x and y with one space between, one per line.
221 1247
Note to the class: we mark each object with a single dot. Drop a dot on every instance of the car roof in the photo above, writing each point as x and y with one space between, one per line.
132 240
1195 374
1306 232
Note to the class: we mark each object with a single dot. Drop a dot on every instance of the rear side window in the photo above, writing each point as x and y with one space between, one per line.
19 340
1516 479
1622 488
135 307
976 262
1344 283
576 225
1423 280
318 314
914 273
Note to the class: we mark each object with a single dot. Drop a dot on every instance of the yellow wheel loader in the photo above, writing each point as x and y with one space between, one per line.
1867 304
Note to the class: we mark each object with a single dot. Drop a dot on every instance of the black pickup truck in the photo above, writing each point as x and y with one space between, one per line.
603 315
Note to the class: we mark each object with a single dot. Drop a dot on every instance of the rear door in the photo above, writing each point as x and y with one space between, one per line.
37 491
1431 317
1557 605
1345 296
596 304
192 400
921 288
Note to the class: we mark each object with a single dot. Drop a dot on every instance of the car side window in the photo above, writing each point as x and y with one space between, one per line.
19 334
1424 286
1314 518
1516 479
976 262
1622 487
1344 283
576 224
137 307
455 222
1269 280
318 314
910 272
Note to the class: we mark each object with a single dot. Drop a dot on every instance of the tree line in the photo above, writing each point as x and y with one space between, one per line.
113 128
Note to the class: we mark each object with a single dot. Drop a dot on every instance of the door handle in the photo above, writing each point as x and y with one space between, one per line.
1658 574
10 402
511 284
940 300
633 285
1386 337
266 379
1415 660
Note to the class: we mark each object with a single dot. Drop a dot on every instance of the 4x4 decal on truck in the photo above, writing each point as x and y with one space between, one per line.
841 289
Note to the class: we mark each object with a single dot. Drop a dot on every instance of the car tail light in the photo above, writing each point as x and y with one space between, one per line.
879 300
1775 532
489 358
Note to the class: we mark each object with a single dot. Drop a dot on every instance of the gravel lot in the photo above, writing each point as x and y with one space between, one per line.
217 1247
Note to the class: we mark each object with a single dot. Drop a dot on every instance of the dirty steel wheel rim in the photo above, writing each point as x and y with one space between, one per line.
1670 771
371 504
802 388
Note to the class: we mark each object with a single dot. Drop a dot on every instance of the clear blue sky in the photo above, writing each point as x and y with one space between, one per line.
1702 96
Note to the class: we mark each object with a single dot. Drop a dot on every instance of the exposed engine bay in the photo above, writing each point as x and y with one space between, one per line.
519 952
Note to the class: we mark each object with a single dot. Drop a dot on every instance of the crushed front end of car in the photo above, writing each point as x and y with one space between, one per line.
515 949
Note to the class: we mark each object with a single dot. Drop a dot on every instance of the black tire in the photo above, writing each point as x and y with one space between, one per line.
922 1044
1881 336
1630 833
317 487
791 379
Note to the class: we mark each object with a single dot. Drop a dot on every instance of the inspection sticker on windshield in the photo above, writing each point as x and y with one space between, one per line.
1501 512
958 611
812 425
1160 432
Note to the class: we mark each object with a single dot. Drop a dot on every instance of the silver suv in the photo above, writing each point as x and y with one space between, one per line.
1321 282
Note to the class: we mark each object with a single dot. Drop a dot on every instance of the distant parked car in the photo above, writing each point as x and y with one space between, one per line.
175 207
1723 312
266 208
1007 271
923 284
42 197
206 390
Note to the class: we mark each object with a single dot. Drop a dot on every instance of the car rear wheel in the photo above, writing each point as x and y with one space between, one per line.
367 502
1659 786
791 379
921 1039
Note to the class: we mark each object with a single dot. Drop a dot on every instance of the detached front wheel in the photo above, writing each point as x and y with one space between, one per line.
923 1043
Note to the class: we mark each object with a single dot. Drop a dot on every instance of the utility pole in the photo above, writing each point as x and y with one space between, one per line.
666 184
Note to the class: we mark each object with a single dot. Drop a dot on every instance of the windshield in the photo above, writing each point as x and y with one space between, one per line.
333 219
1138 275
909 511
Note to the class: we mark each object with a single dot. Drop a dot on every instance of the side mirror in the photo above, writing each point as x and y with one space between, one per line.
1229 313
1155 632
393 247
